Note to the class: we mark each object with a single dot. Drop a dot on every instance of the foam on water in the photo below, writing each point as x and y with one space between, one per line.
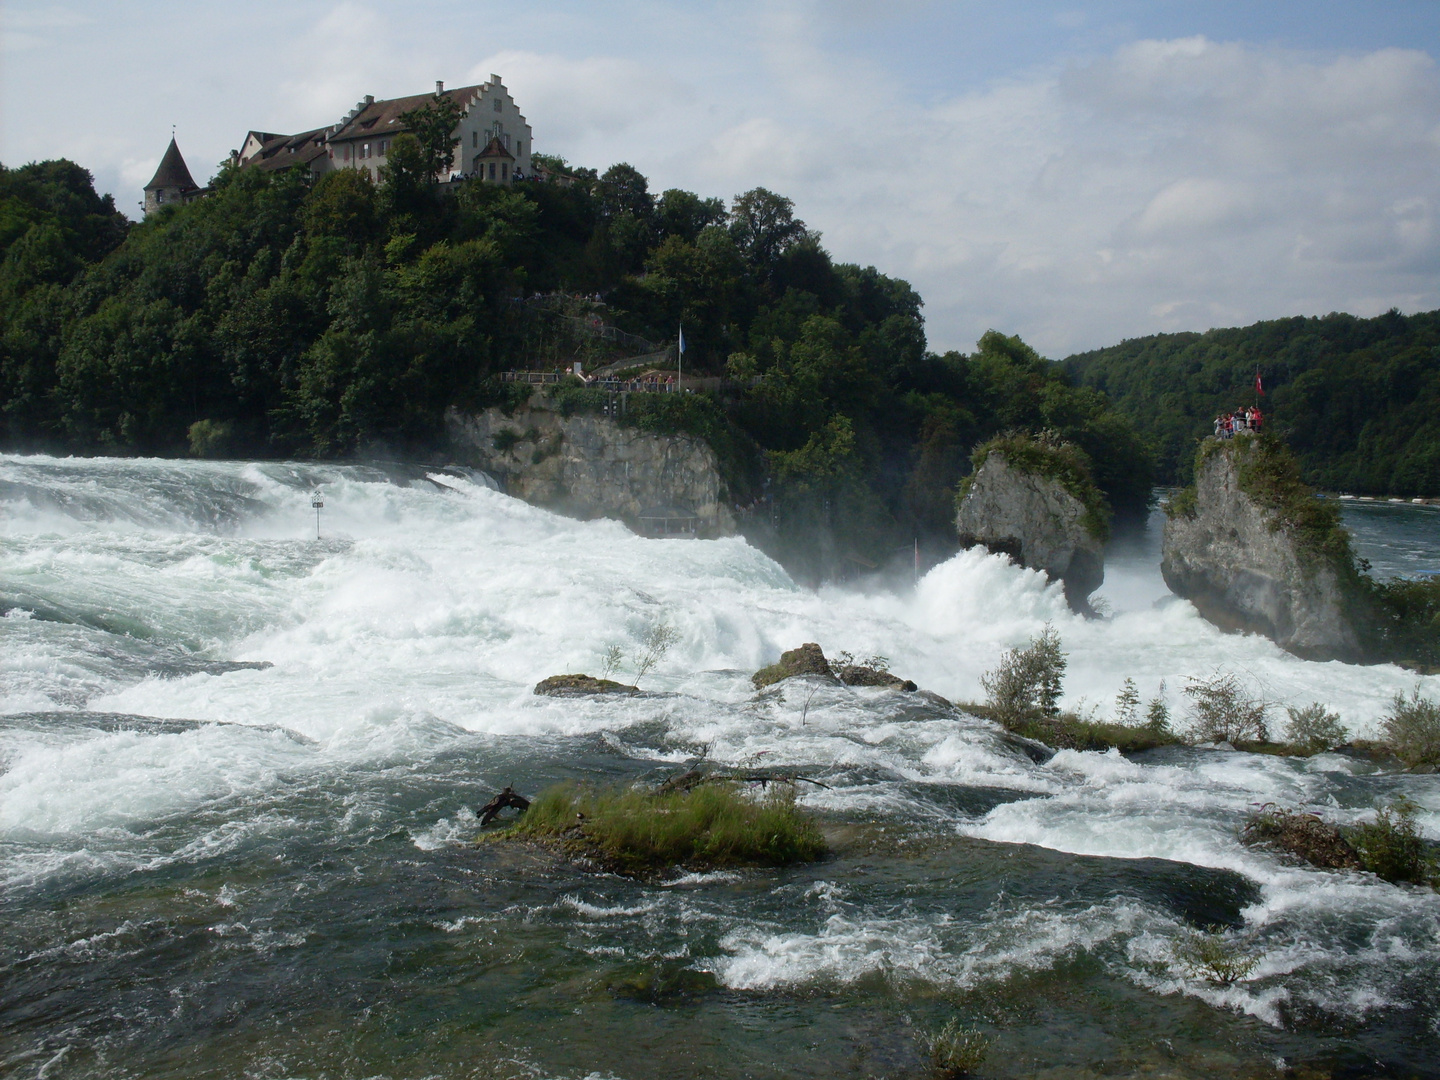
427 614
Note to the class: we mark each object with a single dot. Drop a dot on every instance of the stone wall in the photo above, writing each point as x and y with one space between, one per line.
590 466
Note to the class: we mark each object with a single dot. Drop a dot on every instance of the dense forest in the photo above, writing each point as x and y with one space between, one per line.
1357 399
282 315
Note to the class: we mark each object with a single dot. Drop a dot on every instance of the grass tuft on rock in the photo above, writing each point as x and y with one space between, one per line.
639 833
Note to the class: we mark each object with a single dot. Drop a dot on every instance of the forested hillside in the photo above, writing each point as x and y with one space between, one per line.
339 317
1357 399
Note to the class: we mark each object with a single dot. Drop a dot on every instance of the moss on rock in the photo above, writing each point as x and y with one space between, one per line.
808 659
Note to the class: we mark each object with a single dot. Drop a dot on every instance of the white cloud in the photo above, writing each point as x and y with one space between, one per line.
1161 185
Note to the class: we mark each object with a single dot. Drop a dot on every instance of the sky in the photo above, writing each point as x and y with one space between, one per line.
1075 173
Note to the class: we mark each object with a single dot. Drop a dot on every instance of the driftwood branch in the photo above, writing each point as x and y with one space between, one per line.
693 778
508 797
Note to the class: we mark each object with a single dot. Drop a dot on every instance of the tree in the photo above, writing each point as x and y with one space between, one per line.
684 214
433 126
765 227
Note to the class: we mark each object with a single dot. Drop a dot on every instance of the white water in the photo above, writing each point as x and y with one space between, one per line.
426 615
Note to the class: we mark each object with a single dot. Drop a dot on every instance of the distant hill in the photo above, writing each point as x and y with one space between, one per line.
1357 399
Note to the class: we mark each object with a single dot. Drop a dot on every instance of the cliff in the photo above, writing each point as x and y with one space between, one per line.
591 466
1253 549
1033 499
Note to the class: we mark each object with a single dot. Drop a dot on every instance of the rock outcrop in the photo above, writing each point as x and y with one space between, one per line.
1034 519
581 686
808 659
591 466
1245 569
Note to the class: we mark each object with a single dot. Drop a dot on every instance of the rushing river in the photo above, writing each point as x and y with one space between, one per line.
240 768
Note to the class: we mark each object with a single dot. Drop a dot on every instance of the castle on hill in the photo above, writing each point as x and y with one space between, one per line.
493 143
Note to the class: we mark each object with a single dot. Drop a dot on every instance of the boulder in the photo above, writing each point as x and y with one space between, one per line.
1245 569
860 675
580 685
1035 520
808 659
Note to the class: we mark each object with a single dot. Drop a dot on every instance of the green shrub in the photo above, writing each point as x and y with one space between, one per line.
1314 727
210 438
1214 956
1407 621
1411 730
957 1051
505 439
1270 474
711 825
1182 503
1391 847
1027 682
1222 711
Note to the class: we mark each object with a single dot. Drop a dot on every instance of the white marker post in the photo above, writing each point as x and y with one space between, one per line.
317 500
680 362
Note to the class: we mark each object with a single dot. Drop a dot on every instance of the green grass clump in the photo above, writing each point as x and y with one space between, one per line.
1050 456
1391 847
957 1051
712 825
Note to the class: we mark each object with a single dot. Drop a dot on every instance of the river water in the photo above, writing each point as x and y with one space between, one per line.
240 768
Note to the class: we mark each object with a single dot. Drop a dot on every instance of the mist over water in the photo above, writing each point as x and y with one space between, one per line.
240 766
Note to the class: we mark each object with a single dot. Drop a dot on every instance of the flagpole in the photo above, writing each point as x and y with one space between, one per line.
680 361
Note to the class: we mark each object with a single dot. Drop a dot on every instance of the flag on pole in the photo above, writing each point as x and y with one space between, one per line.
682 339
1258 388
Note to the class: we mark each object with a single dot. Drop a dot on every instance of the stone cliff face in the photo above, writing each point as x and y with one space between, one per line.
590 466
1034 520
1243 570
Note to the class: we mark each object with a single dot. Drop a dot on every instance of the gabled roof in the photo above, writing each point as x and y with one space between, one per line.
283 151
172 172
382 118
495 149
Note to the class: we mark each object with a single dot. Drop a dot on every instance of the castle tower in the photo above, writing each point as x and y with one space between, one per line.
172 182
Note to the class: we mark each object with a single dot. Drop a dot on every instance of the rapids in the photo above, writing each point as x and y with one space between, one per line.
240 767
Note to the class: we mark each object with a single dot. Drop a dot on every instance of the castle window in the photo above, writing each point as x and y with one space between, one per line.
498 105
492 170
365 150
474 140
506 138
518 145
504 171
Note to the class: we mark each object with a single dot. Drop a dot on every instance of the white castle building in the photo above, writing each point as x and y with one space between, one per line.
494 142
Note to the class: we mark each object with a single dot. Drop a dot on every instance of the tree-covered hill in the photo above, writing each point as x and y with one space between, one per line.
340 317
1357 399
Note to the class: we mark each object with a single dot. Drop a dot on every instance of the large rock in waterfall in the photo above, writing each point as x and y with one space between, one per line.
1254 550
1033 499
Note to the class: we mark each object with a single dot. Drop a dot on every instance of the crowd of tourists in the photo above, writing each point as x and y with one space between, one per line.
1240 422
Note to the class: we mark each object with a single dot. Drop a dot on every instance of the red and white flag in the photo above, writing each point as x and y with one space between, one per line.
1258 388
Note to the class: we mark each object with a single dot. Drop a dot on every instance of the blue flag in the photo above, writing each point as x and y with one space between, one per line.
682 339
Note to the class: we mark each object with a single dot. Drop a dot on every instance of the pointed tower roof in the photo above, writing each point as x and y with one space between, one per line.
172 172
